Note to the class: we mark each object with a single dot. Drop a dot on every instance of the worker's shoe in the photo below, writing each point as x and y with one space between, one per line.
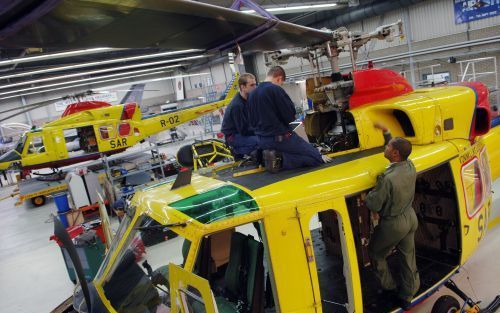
272 160
256 157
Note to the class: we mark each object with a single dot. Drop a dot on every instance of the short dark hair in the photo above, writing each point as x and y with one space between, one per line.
244 78
403 146
276 71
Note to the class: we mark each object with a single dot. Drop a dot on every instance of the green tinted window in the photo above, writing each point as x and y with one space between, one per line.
217 204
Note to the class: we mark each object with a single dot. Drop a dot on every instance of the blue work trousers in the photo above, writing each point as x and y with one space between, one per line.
242 144
296 151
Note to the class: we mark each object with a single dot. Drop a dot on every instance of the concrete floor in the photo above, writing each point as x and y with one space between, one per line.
33 277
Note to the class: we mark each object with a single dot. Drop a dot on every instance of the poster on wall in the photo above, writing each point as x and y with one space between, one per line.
106 97
179 88
437 78
473 10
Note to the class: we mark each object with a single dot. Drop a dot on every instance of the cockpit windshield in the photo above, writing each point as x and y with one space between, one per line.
10 156
14 155
138 279
20 144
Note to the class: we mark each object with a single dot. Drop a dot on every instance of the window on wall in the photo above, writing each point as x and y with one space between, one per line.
36 145
473 186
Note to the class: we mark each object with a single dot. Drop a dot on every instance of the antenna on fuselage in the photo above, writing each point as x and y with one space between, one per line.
182 179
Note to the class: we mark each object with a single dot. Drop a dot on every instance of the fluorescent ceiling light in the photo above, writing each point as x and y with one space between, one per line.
53 56
111 69
91 79
298 8
105 81
74 66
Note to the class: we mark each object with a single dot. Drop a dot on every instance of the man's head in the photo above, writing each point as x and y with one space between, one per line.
397 150
276 75
247 84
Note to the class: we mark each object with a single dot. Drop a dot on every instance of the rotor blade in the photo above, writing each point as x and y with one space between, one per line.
61 233
36 105
20 112
129 90
184 25
33 106
48 102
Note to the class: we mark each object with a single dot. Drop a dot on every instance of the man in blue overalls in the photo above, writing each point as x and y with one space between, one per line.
235 126
270 112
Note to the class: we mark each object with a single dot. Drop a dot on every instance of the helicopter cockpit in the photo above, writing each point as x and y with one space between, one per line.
14 154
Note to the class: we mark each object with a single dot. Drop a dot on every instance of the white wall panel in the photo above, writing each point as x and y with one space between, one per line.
431 19
16 103
358 26
229 73
218 74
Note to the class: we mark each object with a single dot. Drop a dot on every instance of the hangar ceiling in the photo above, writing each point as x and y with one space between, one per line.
21 69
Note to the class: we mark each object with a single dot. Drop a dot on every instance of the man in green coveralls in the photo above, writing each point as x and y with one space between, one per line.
392 200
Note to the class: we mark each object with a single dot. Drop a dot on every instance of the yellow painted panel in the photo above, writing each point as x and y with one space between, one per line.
289 262
182 296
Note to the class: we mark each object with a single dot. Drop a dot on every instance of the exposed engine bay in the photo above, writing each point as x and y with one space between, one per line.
328 123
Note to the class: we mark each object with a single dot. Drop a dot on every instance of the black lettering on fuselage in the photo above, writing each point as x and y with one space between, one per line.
118 143
171 120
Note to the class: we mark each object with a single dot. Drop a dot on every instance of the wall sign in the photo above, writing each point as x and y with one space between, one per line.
106 97
472 10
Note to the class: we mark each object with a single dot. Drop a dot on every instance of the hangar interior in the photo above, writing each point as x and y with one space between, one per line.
442 43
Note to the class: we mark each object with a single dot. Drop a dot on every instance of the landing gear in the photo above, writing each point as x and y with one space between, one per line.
448 304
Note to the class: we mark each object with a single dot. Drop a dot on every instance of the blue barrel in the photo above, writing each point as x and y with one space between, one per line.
62 204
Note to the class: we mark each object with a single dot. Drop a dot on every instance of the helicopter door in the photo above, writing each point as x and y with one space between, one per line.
34 150
331 256
189 293
475 188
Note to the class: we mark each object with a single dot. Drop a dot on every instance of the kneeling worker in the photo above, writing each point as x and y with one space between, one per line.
392 200
235 125
271 112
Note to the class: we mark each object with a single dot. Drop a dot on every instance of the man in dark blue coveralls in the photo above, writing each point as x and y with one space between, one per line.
270 112
235 125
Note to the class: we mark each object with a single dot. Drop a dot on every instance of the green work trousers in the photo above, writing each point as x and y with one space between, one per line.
397 231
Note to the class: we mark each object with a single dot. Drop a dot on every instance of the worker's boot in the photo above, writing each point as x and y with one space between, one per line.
272 160
256 157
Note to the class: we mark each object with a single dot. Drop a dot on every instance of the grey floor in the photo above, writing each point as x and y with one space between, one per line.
33 277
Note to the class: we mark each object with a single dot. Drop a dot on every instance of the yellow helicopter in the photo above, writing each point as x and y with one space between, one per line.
89 129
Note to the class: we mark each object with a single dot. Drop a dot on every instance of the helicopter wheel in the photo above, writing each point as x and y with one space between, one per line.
38 201
446 304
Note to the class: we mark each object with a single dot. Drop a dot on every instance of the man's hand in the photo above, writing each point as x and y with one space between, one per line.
326 159
382 127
